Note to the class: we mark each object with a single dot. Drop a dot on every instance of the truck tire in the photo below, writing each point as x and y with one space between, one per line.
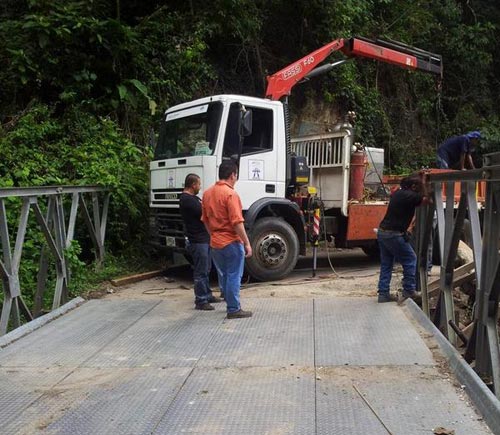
275 247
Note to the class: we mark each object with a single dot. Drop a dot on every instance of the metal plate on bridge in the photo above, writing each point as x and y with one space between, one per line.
21 387
76 336
280 333
357 331
166 337
238 400
102 401
407 400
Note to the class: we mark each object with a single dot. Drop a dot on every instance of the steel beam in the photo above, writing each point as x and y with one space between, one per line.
21 192
424 221
72 219
43 265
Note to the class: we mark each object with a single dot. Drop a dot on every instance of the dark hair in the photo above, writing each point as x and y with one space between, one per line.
190 180
411 180
226 168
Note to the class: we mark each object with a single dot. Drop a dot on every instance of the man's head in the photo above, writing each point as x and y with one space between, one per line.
228 171
192 183
474 137
412 182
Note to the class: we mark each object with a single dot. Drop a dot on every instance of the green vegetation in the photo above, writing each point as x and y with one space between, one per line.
84 83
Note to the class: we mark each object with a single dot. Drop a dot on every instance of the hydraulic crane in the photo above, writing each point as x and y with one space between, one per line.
281 83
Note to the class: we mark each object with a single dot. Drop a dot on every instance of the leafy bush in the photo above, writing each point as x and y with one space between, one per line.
76 149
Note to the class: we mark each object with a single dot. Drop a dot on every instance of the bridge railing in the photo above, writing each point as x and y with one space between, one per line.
58 233
483 230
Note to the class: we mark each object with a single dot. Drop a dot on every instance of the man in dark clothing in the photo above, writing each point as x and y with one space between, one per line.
456 151
198 242
393 240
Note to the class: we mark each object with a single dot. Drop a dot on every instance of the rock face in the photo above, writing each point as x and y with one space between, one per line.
464 254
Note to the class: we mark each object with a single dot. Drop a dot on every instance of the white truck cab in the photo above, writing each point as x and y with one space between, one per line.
195 138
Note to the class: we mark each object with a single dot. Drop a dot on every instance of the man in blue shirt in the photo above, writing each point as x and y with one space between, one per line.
456 151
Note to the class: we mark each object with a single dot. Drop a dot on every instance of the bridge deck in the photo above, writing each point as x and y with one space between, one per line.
327 365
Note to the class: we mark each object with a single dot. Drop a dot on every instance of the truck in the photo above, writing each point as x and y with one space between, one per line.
293 190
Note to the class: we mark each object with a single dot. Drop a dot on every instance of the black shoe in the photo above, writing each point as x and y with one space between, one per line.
204 307
215 300
416 296
240 314
386 297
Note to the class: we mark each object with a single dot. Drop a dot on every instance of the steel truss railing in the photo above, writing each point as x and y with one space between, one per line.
483 346
58 237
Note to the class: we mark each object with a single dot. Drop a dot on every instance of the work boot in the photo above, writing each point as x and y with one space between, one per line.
214 300
204 307
240 314
416 296
386 297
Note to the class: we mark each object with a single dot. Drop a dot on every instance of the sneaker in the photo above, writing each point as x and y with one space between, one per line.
386 297
416 296
214 300
204 307
240 314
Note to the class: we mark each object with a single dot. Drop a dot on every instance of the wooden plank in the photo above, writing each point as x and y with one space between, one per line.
136 278
462 274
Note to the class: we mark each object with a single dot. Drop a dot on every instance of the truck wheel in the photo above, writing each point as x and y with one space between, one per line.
275 247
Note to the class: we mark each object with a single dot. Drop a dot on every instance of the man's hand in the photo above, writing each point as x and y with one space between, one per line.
240 230
248 250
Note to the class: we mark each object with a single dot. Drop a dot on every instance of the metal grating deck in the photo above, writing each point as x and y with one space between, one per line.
359 331
142 367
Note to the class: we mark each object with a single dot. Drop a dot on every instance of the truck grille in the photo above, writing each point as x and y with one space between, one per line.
165 197
167 223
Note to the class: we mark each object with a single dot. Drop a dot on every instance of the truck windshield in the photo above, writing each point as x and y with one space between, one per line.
189 132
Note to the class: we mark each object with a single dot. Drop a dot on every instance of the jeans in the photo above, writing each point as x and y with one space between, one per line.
442 163
230 262
394 247
200 252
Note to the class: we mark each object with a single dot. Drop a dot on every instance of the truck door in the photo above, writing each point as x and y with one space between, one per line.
257 170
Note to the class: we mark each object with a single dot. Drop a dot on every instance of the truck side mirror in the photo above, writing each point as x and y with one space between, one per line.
246 123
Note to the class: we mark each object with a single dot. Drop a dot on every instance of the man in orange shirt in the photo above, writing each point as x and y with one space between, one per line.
222 215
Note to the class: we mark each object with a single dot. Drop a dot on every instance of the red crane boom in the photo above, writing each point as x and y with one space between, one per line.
281 83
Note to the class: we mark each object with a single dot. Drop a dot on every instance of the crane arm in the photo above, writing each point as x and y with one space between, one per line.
405 56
